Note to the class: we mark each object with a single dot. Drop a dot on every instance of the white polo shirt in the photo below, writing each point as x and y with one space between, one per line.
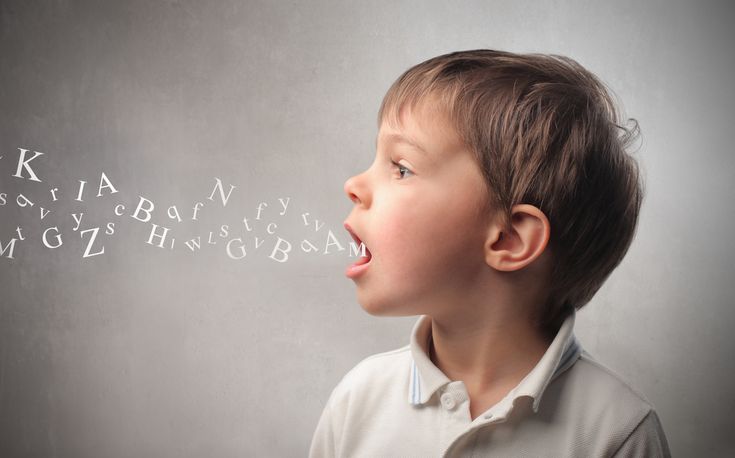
399 404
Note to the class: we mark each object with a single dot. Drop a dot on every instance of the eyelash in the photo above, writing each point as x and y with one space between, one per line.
399 167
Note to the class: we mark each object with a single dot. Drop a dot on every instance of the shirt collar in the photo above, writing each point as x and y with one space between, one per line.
426 378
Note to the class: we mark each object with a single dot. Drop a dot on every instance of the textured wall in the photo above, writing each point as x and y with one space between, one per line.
158 351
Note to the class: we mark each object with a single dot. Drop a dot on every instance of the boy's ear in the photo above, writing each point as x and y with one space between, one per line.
527 240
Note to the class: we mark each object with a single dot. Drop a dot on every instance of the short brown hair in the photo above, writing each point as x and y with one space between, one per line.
545 132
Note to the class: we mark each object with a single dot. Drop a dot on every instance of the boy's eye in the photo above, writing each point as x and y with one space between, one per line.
401 169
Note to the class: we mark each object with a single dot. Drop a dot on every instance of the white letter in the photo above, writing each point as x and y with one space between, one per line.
245 220
284 205
241 247
147 211
196 210
354 248
81 189
221 192
24 164
94 231
78 220
260 208
194 243
161 236
285 252
107 185
25 201
58 238
336 242
10 245
310 248
176 213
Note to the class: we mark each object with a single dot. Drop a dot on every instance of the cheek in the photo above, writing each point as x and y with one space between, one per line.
397 235
417 234
402 237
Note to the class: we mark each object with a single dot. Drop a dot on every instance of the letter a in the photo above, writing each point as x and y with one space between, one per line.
107 184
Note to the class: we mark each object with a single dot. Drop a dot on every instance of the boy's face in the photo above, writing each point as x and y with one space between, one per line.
416 211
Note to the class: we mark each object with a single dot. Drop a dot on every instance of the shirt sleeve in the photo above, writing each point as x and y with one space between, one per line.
646 440
323 444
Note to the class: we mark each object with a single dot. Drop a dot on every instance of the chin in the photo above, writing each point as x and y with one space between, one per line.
374 309
380 308
371 305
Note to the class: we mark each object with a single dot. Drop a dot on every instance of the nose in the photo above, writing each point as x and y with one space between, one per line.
356 189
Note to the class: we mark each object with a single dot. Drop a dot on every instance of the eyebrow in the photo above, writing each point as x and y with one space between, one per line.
397 138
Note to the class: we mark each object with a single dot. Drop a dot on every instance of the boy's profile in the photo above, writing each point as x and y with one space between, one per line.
500 199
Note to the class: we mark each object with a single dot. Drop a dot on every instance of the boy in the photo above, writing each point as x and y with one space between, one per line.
500 199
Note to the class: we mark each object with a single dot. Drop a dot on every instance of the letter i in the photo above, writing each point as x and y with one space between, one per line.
81 190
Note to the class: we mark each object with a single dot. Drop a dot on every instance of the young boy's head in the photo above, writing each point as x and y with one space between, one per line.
494 167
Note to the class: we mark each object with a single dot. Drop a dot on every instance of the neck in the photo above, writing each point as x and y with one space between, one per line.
486 354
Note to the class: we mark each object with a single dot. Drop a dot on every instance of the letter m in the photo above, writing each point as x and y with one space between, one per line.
10 245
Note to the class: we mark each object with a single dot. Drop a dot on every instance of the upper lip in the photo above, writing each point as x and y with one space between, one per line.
352 233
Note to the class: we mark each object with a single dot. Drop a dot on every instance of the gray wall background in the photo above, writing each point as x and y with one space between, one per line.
147 351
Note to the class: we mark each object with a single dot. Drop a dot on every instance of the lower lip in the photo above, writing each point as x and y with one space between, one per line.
356 269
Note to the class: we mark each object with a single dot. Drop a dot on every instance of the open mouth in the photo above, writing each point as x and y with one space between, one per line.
364 259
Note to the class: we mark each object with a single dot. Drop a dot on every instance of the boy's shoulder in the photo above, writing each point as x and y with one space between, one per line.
604 409
593 387
586 385
377 380
602 381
